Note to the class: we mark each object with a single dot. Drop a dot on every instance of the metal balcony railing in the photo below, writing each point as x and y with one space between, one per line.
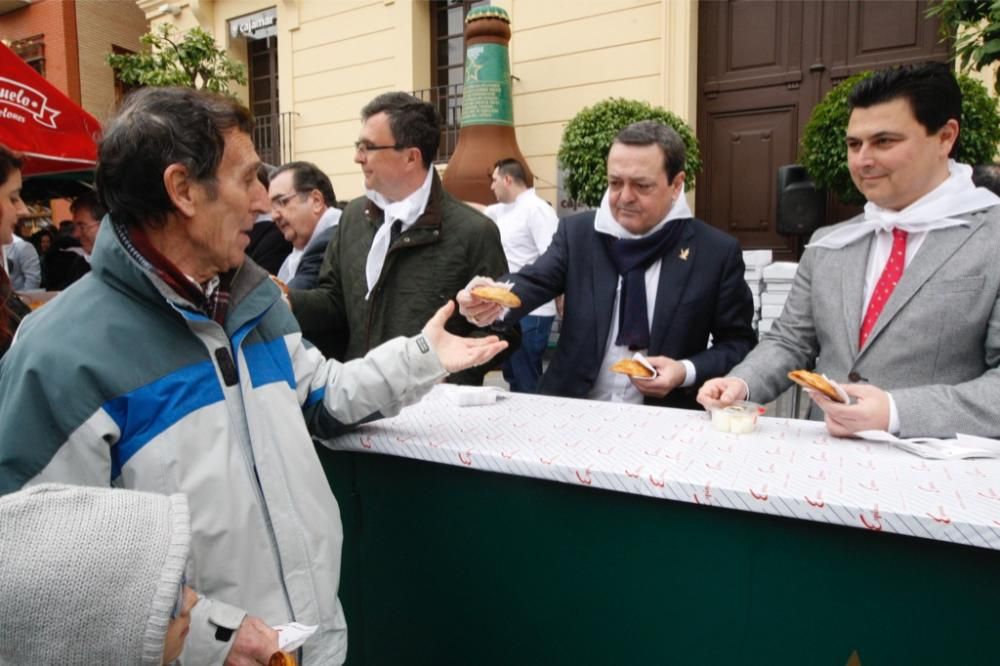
448 100
272 137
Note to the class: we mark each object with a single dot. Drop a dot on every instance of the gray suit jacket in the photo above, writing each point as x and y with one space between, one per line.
935 347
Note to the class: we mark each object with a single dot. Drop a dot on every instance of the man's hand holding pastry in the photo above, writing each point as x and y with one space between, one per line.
480 301
869 411
669 375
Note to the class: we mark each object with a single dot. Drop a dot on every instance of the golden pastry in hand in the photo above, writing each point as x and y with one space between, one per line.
632 368
504 297
816 382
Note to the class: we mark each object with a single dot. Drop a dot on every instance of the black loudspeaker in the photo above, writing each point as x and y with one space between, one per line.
801 207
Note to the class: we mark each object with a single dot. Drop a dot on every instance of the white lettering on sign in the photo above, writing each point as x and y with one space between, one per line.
10 115
254 25
16 94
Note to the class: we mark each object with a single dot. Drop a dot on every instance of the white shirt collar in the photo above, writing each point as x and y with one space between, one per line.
938 209
406 210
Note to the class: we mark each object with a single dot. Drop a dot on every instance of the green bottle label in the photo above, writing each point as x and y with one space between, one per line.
486 99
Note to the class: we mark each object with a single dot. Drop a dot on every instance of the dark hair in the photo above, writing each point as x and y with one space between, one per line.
154 128
36 239
307 177
9 160
264 172
930 88
649 132
89 201
988 176
511 167
414 123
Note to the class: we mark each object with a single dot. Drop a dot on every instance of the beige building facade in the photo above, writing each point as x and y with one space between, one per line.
333 56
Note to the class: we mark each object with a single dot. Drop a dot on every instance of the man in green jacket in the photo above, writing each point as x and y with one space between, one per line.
402 250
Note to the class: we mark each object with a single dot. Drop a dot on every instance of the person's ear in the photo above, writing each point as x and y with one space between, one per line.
180 188
413 157
678 184
948 135
316 202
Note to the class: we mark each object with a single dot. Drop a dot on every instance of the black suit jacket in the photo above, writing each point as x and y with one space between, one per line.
268 247
307 274
702 292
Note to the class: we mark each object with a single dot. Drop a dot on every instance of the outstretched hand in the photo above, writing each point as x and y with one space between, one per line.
455 352
478 311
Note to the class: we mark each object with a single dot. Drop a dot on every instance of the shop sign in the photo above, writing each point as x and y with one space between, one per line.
254 26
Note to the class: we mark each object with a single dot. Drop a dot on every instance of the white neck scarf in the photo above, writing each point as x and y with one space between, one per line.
604 221
407 211
938 209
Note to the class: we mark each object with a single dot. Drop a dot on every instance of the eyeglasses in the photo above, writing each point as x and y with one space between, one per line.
365 147
179 603
282 201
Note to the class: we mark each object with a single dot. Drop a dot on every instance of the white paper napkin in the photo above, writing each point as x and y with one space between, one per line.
964 446
293 635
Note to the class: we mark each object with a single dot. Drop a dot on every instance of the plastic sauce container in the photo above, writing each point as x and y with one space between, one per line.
739 418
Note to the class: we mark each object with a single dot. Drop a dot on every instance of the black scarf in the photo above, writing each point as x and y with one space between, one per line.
631 257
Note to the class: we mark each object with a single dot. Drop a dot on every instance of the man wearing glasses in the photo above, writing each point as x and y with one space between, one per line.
69 259
302 207
406 247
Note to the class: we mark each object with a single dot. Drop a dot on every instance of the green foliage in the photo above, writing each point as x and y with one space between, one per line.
975 24
824 151
587 140
194 61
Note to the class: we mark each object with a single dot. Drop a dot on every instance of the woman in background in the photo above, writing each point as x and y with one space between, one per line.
12 309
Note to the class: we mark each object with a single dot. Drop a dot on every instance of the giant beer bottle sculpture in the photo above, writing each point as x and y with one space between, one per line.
487 132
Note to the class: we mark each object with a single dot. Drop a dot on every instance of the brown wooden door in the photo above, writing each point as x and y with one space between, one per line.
762 66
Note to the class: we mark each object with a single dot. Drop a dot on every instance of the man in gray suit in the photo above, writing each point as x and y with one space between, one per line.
901 301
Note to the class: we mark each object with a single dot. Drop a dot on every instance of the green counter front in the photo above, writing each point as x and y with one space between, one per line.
447 565
552 531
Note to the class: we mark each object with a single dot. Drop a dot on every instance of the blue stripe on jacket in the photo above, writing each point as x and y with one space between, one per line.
146 412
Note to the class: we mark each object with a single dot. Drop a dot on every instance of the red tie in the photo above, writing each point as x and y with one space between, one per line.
886 283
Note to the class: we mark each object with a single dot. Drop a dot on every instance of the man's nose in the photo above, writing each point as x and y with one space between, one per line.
864 156
259 202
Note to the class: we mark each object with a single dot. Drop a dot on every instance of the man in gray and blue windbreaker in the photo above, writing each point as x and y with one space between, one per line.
187 373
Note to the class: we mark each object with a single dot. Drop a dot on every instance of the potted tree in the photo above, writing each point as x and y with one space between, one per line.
587 140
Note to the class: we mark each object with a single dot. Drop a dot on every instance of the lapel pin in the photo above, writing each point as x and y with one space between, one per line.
684 254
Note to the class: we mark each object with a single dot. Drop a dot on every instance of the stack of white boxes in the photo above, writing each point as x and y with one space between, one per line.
754 262
777 283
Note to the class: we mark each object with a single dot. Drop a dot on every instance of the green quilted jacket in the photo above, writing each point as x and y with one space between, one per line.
428 264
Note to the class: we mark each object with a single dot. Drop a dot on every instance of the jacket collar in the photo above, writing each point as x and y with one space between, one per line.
111 263
429 219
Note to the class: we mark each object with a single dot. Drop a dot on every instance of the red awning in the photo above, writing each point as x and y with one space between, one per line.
41 122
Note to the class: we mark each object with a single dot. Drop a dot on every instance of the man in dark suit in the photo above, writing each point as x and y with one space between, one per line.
303 208
639 274
268 247
904 300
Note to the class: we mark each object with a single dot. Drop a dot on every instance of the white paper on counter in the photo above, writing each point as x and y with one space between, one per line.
964 446
472 396
293 635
